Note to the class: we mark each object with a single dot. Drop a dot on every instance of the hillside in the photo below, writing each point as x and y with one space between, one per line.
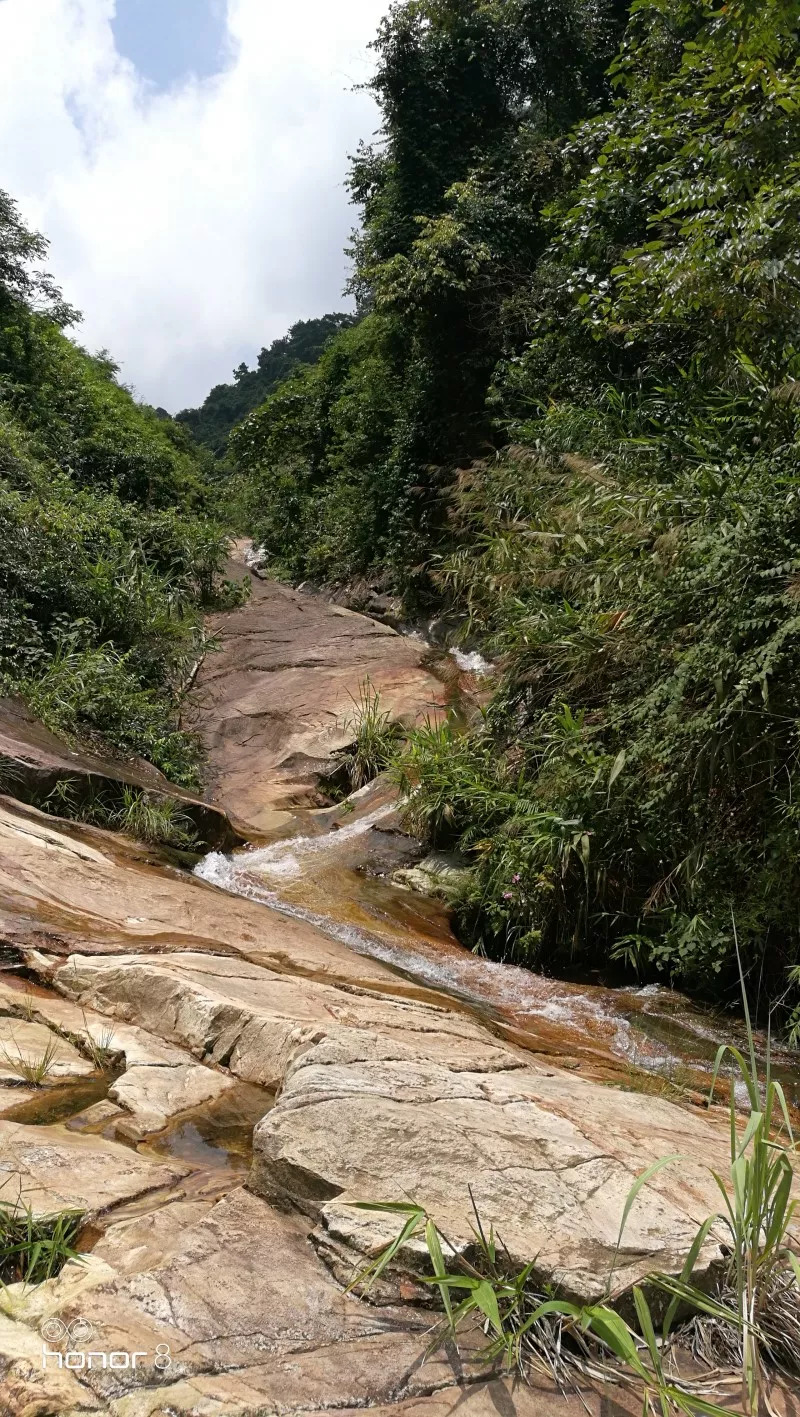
228 404
110 547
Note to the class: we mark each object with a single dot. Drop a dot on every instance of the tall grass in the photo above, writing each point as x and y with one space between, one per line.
376 738
146 815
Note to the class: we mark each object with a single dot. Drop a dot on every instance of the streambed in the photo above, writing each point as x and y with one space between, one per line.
334 870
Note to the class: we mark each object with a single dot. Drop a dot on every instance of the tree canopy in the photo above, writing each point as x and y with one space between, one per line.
228 404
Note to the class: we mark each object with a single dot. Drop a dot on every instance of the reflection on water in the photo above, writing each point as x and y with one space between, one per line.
59 1101
217 1137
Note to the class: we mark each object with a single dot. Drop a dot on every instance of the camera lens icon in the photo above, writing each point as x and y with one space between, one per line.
81 1331
60 1335
54 1331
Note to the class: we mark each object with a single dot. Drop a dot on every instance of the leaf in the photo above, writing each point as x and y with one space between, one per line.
486 1300
616 769
612 1330
688 1268
437 1259
640 1181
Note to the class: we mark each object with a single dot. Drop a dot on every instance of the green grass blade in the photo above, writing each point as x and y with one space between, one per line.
640 1181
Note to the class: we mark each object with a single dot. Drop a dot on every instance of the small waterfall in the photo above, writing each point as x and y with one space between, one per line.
272 874
321 880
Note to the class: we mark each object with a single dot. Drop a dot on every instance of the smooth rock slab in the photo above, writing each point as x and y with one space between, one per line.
256 1022
29 1043
387 1099
273 704
550 1160
71 889
255 1327
51 1169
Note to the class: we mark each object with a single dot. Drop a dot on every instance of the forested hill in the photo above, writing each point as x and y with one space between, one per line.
572 410
110 543
228 404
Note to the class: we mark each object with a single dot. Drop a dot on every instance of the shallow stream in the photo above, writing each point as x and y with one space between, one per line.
334 870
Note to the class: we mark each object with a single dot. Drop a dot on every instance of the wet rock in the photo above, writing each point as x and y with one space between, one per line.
152 1095
51 1169
83 890
95 1118
272 705
255 1023
438 874
159 1081
370 599
12 1097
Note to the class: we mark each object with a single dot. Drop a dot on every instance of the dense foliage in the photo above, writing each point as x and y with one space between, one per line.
228 404
348 462
573 410
108 547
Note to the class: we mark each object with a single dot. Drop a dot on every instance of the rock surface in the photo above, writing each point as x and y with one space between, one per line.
248 1322
437 874
271 704
52 1169
384 1099
26 1045
385 1089
34 761
153 1094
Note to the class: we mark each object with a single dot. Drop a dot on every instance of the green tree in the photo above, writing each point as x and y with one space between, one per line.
474 97
228 404
108 549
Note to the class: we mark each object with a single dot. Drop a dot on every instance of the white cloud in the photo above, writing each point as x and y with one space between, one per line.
195 225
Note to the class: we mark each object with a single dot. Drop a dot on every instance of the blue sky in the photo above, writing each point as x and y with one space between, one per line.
187 160
169 39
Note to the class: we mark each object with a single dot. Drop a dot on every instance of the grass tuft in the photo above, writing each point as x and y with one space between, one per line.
35 1069
749 1323
35 1248
376 739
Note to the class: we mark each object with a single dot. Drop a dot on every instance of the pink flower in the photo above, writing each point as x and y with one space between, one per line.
508 895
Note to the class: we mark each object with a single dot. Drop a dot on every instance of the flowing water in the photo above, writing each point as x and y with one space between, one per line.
336 873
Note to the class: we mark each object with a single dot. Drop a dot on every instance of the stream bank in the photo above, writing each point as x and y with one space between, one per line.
304 1039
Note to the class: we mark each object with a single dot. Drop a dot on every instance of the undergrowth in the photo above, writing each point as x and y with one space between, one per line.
146 815
376 738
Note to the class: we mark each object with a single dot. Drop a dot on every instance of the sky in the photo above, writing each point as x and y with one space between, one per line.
187 160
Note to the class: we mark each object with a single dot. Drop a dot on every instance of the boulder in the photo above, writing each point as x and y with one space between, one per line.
34 761
439 874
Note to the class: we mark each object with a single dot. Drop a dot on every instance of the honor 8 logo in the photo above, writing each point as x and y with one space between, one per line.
60 1349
